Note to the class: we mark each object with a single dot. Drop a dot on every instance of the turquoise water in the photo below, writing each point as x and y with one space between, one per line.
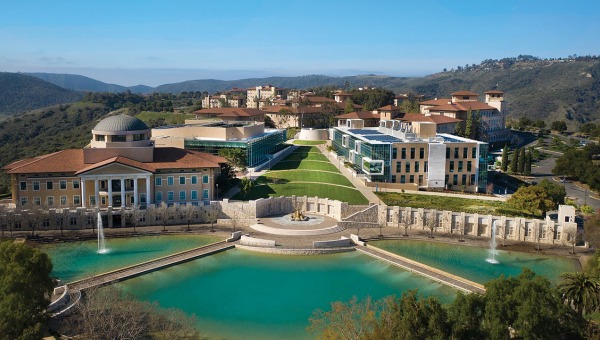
77 260
238 294
469 262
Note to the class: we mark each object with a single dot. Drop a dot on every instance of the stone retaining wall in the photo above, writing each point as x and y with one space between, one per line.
293 251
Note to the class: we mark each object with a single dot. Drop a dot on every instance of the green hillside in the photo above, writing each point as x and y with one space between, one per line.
81 83
19 93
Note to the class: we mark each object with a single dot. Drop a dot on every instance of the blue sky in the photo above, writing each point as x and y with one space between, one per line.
156 42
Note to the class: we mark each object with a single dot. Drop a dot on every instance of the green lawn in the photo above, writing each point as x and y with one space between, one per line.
352 196
309 165
468 205
311 156
309 142
310 176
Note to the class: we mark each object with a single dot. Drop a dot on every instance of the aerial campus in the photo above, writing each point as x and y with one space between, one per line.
138 203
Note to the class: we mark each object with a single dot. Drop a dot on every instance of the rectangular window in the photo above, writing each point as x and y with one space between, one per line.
158 181
72 221
50 200
49 185
402 179
460 166
420 179
421 153
465 152
464 179
417 166
447 152
205 194
75 184
23 186
37 201
451 166
472 179
182 180
143 198
92 200
205 179
194 179
62 185
398 166
102 200
403 153
170 196
63 200
76 200
455 153
407 167
36 186
394 153
426 167
446 179
455 180
194 194
170 180
393 178
469 166
158 196
474 152
411 179
412 153
182 195
23 200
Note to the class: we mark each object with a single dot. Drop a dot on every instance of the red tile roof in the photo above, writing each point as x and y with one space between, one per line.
359 115
462 106
439 101
71 161
318 99
389 108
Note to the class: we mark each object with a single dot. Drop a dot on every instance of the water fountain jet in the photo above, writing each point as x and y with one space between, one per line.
492 251
101 243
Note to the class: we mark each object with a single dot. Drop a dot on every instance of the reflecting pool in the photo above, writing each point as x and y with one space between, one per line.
239 294
470 262
77 260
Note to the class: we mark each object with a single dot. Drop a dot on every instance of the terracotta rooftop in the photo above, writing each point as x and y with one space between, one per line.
71 161
464 93
318 99
494 92
439 101
359 115
462 106
389 108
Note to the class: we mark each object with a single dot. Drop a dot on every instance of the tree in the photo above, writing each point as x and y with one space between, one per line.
25 289
405 221
34 215
521 164
352 320
469 124
190 212
212 214
459 129
162 213
504 165
572 237
431 222
328 112
109 313
592 229
236 157
559 126
534 199
581 291
527 168
514 162
246 185
465 314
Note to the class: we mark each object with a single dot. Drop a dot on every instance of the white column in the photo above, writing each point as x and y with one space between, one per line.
110 202
123 193
149 199
97 193
135 193
83 199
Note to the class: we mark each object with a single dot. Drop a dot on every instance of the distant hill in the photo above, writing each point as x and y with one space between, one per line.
20 92
81 83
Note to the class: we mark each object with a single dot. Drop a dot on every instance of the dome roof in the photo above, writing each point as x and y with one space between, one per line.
120 123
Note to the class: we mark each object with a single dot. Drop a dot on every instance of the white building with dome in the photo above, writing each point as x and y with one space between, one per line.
119 168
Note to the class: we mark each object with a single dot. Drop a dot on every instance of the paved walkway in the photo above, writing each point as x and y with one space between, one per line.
149 266
424 270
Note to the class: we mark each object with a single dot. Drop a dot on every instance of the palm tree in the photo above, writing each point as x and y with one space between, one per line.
581 290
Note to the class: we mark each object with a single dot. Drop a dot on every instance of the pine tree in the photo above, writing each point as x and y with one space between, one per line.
349 106
476 128
458 129
527 171
504 164
514 163
469 125
521 164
